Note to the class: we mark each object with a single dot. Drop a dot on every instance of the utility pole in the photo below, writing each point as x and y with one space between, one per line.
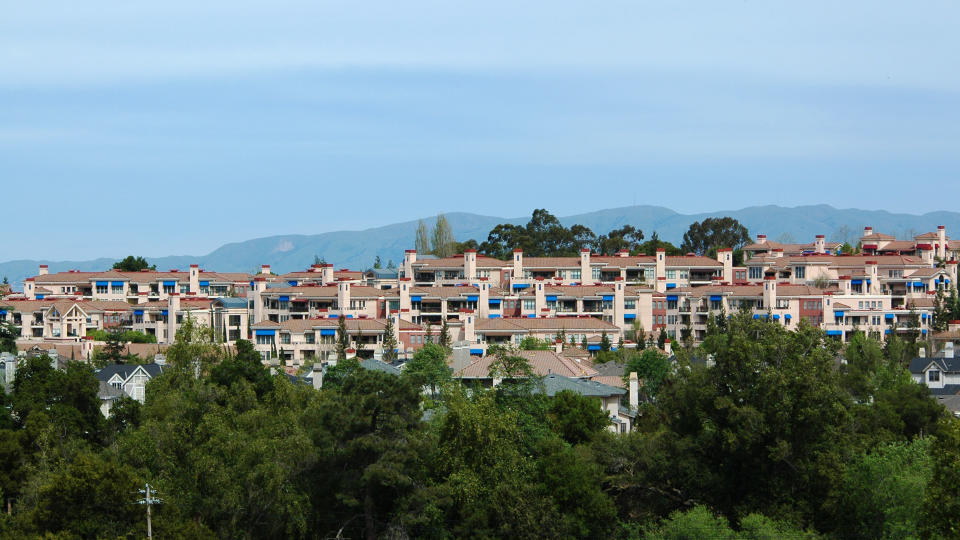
149 500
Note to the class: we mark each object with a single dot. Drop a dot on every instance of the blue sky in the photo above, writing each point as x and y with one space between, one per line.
174 127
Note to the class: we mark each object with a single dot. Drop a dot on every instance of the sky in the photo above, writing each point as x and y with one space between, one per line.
171 128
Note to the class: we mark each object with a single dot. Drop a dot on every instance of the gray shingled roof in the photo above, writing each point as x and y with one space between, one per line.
552 384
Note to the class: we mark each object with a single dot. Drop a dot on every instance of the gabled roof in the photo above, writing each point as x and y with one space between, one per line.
377 365
125 371
541 362
947 365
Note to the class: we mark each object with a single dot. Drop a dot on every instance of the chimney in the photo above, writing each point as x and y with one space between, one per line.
317 376
86 349
761 239
820 244
11 369
264 268
867 231
623 253
922 353
953 326
948 349
668 347
634 390
409 257
326 274
517 265
351 353
195 279
43 270
725 257
259 286
558 345
585 272
777 252
274 366
470 265
343 296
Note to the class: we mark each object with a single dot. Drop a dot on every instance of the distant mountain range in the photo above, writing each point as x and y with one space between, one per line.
357 249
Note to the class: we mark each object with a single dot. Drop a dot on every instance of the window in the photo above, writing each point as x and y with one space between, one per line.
756 272
233 335
574 274
629 304
264 340
234 320
595 272
529 305
671 274
168 289
117 289
671 319
933 375
285 339
101 289
358 304
684 274
800 272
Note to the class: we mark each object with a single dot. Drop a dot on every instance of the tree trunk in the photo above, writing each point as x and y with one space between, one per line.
369 523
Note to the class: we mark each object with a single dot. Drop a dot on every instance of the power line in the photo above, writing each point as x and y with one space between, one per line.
149 500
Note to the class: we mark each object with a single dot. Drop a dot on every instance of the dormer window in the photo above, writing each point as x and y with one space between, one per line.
933 375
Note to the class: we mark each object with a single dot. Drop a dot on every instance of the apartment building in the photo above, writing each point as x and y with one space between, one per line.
134 287
301 341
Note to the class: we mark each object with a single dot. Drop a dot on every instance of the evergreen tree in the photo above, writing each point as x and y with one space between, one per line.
444 339
389 343
377 264
941 312
441 238
604 342
343 338
662 338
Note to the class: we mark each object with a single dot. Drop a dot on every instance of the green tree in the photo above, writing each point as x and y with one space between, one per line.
626 237
376 263
604 342
707 236
8 337
444 338
576 418
389 342
662 338
421 239
941 503
133 264
651 366
442 241
343 338
881 493
428 368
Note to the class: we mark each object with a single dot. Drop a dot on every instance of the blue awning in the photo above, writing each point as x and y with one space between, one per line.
116 283
756 315
838 314
923 315
284 298
204 283
593 347
918 284
349 316
164 313
494 316
520 285
856 282
39 297
495 301
788 316
924 331
169 283
532 316
416 298
103 283
776 317
292 282
476 352
334 316
672 298
328 332
629 316
473 298
608 298
889 316
887 331
834 332
671 285
138 312
265 332
551 298
716 298
3 312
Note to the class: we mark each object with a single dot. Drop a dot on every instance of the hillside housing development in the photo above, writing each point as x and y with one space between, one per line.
889 287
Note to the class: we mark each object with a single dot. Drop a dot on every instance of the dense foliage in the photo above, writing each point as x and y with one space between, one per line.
133 264
781 434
